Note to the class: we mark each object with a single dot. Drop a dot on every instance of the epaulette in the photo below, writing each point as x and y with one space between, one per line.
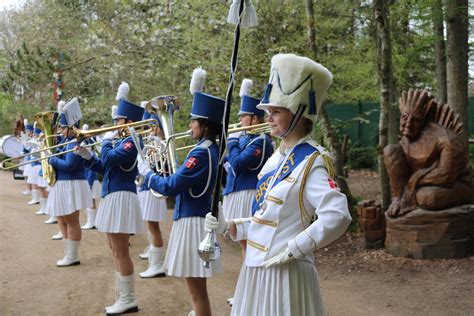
205 144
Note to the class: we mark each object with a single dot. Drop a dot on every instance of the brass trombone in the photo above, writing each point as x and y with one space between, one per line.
80 135
256 129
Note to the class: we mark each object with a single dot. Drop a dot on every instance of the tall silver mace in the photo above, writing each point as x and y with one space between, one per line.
241 13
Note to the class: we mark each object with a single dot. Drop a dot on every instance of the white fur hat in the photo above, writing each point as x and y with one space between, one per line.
294 81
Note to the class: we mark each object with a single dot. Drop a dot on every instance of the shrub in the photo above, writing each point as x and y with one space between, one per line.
362 158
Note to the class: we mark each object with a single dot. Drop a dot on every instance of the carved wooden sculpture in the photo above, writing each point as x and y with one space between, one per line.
429 168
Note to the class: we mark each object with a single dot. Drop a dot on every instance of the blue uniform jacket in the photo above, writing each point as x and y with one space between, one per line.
246 157
68 166
191 184
91 176
117 164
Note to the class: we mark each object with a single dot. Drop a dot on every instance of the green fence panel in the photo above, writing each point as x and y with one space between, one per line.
360 121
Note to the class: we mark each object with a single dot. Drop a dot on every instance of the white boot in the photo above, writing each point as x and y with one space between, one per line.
127 303
155 263
58 236
34 197
51 220
90 224
26 192
71 258
42 202
146 253
117 289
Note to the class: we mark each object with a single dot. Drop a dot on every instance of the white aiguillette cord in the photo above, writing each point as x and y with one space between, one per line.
275 176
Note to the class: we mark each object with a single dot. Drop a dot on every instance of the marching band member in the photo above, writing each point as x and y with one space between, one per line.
25 137
247 153
279 276
154 210
42 185
71 192
119 211
33 173
192 184
94 184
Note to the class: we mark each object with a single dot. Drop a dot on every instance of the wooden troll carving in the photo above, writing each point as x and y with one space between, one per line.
429 168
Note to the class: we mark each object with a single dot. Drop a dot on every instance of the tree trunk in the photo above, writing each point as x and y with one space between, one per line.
310 27
456 12
334 142
440 51
385 72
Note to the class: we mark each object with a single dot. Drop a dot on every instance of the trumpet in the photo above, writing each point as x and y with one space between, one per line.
80 135
255 129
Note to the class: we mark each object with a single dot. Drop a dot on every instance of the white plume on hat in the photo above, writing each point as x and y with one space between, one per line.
25 122
293 77
61 105
246 87
197 80
85 127
249 16
35 124
72 110
143 104
122 92
114 111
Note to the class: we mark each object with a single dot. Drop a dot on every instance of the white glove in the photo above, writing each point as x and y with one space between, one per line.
143 166
210 223
235 135
110 135
84 152
281 258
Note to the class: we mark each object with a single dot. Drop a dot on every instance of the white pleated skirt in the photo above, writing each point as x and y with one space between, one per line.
238 204
119 212
182 258
153 209
288 289
41 182
96 189
26 170
67 196
33 174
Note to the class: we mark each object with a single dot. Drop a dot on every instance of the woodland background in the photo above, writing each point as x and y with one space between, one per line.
375 49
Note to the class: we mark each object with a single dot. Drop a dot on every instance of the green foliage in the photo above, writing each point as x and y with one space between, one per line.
362 158
10 111
155 45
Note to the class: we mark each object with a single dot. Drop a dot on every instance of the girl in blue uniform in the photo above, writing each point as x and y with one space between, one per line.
193 184
26 168
93 180
119 211
154 211
34 169
71 192
248 152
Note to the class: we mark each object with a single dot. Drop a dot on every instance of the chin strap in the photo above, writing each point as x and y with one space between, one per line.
294 120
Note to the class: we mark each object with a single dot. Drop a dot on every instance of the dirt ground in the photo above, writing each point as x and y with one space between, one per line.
354 281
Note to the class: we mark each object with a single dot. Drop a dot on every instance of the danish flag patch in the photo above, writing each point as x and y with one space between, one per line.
257 152
127 146
332 184
191 163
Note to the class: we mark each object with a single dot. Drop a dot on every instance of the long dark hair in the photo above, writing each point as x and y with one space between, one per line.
213 129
